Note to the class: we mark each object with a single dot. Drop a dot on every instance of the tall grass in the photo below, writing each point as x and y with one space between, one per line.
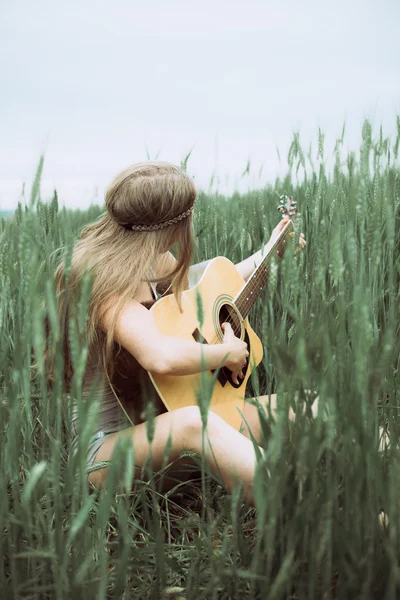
329 322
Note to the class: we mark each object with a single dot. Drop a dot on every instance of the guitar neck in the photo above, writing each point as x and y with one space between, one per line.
256 283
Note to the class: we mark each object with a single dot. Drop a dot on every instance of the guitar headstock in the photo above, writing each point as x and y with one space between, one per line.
287 207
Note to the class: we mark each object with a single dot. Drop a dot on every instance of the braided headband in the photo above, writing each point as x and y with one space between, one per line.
163 224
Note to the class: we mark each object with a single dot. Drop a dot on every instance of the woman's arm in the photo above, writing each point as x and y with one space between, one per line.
136 330
247 266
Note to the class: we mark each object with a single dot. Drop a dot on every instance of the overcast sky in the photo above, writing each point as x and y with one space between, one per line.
93 83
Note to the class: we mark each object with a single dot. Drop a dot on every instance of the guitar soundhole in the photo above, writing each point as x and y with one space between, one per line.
224 374
228 314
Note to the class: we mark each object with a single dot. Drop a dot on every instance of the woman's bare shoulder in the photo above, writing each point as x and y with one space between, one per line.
165 265
132 308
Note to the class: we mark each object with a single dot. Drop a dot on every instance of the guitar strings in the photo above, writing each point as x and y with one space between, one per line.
245 302
258 281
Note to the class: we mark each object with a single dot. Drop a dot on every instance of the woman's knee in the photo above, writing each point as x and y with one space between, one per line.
190 421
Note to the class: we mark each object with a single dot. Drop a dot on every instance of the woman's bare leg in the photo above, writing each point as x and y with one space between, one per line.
227 452
250 413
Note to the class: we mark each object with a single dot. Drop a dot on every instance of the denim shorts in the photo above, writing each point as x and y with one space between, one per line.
95 444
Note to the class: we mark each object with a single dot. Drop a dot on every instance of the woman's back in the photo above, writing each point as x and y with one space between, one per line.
130 383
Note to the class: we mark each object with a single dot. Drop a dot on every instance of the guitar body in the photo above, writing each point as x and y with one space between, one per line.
218 286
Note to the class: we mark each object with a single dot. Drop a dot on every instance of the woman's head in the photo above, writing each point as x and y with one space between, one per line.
152 197
152 203
149 209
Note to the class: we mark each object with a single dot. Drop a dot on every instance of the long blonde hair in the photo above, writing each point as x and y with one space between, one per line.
120 259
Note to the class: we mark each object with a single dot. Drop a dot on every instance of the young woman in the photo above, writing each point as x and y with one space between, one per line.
128 251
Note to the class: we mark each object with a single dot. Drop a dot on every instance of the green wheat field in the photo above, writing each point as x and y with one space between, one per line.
327 517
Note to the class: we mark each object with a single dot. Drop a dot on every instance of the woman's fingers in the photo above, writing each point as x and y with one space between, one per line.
302 242
237 376
239 353
228 332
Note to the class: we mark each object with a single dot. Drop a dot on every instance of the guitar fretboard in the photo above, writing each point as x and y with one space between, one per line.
256 283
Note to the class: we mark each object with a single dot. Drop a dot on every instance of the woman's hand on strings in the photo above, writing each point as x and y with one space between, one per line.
276 231
302 243
238 353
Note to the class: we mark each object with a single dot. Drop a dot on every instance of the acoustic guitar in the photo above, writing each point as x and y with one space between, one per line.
221 295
